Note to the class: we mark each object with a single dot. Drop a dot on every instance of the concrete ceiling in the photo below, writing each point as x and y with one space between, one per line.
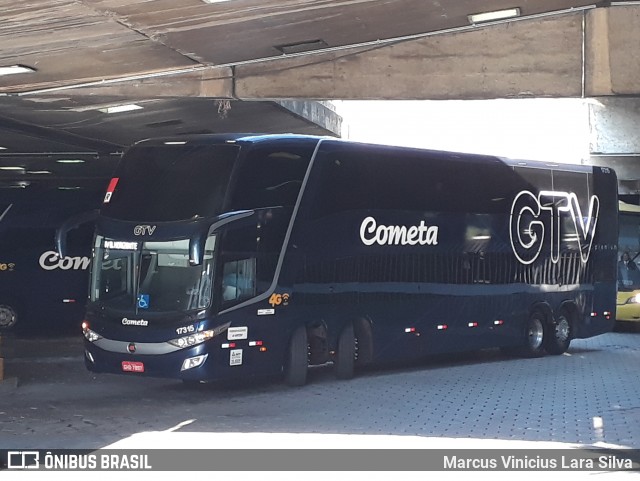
153 49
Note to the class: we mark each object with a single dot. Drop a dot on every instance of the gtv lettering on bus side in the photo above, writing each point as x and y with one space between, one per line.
527 217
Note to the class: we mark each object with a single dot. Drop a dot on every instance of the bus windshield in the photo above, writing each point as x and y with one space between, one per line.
151 276
628 253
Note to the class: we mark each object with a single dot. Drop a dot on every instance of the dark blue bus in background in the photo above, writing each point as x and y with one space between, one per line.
223 257
39 292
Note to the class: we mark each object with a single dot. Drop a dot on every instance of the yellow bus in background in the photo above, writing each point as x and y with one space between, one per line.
628 301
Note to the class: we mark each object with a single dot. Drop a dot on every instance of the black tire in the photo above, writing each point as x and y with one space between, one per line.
534 336
345 360
8 317
558 334
297 362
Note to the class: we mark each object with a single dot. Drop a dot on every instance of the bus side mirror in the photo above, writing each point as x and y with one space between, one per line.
196 249
71 223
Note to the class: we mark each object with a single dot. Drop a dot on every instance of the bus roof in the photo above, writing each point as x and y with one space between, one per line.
200 139
255 138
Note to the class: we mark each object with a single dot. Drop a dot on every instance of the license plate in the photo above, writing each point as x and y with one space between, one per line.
131 366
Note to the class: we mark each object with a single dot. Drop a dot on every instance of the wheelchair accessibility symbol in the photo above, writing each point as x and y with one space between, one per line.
143 301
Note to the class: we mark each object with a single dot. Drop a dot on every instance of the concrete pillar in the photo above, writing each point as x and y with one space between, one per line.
615 138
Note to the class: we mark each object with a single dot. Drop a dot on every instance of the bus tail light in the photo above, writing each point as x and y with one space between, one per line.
498 322
412 330
473 324
259 344
442 327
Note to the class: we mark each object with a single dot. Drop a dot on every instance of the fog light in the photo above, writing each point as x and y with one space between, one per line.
192 362
90 357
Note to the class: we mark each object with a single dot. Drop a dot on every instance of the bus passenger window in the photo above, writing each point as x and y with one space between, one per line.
238 281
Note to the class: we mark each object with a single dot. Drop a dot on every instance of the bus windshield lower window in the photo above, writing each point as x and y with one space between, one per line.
152 276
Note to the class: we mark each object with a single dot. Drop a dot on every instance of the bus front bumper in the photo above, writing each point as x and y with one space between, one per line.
192 363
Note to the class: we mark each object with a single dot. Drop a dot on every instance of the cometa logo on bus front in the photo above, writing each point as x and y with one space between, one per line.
532 216
134 322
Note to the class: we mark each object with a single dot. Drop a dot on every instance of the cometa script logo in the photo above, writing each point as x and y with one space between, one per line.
535 218
50 261
134 322
373 233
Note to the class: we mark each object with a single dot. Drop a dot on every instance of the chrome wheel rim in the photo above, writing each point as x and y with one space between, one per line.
7 317
536 333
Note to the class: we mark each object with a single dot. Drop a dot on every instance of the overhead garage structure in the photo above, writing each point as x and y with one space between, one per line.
218 66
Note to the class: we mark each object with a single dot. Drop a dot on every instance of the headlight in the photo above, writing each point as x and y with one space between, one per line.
634 299
193 339
90 335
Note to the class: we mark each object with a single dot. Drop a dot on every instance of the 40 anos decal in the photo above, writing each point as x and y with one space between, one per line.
279 299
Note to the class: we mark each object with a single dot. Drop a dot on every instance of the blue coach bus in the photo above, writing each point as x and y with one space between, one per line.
39 292
222 257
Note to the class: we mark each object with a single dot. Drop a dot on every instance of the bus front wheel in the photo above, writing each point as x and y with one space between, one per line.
8 316
297 363
345 360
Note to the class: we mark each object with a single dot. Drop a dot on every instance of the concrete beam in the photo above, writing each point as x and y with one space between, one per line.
529 58
612 38
322 114
586 53
210 82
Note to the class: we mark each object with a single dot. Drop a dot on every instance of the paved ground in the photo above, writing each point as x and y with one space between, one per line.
588 396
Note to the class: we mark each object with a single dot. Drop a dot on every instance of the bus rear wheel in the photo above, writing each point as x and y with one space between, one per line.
8 317
297 362
534 336
346 356
558 335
